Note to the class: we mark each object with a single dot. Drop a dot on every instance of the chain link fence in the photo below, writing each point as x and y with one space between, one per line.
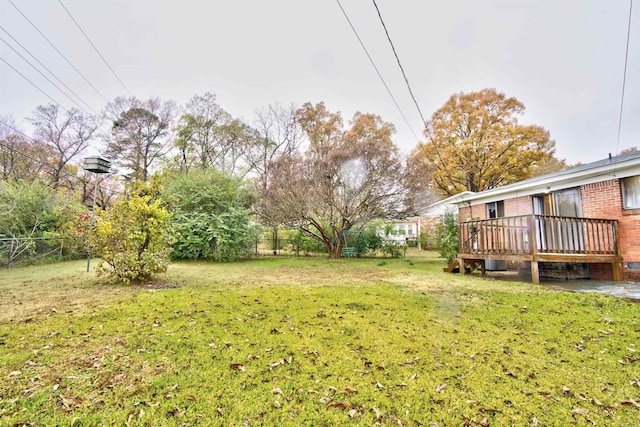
15 252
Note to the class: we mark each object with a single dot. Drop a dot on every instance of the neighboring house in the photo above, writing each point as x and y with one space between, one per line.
579 222
432 215
403 230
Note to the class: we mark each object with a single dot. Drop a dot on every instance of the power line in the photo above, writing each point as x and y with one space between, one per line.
624 75
45 67
35 85
377 71
424 122
57 50
393 48
94 47
47 78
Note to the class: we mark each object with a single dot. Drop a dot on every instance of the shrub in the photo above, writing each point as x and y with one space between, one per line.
446 241
134 239
211 211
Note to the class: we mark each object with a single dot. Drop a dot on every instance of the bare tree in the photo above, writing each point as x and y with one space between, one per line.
278 133
66 135
346 177
19 157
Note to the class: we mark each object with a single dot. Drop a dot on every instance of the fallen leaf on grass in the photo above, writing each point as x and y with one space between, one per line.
352 413
276 390
580 411
119 378
596 402
377 412
237 366
341 405
350 390
631 402
441 387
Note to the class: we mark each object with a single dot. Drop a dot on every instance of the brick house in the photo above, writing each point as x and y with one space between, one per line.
579 222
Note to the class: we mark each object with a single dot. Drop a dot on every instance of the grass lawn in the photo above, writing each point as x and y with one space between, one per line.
309 341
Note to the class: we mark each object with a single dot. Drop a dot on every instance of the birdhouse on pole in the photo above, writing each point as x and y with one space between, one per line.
96 165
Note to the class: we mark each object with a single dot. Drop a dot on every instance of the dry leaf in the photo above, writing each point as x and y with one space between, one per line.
596 402
377 412
352 413
276 390
631 402
350 390
237 366
580 411
441 387
276 404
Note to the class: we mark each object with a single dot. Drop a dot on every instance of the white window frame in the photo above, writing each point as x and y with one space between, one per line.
631 192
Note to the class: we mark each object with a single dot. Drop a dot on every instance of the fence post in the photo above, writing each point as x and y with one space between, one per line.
10 253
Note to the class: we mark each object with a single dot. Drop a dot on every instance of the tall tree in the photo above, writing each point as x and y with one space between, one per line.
140 133
197 131
65 134
209 137
346 177
474 142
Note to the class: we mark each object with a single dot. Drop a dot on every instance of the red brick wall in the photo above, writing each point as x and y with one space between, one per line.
604 200
474 211
518 206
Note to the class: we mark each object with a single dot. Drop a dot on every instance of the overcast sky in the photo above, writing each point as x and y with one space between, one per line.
564 59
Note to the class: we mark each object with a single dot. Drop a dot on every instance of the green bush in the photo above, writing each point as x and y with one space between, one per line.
446 240
211 212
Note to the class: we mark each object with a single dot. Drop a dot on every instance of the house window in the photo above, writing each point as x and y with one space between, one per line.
495 209
568 203
631 192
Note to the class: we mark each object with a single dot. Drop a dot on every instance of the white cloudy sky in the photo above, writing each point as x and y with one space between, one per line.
563 59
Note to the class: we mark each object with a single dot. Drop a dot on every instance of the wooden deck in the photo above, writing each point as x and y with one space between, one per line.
540 238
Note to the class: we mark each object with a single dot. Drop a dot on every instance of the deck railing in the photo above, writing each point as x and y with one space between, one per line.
528 234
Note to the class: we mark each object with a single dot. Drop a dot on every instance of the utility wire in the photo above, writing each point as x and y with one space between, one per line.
377 71
94 47
34 85
424 122
41 162
33 159
393 48
42 74
57 50
624 75
46 68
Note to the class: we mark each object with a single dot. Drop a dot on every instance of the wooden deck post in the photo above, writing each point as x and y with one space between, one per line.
617 271
535 273
461 265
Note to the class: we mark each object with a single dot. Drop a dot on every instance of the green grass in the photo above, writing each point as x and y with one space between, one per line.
309 341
